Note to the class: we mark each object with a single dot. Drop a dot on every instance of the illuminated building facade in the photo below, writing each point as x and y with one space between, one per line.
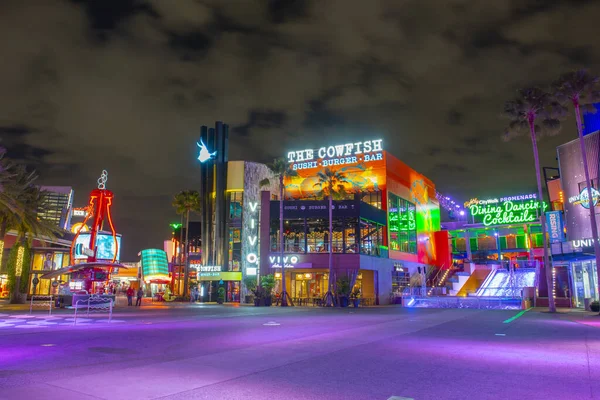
386 222
574 262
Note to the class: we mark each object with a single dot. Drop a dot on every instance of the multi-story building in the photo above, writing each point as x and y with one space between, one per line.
58 205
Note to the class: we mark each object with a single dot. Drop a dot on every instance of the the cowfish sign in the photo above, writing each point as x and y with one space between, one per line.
340 154
506 210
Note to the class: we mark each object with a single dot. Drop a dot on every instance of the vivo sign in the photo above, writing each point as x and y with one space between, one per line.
252 240
288 261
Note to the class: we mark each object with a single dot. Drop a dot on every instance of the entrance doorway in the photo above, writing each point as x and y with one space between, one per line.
584 282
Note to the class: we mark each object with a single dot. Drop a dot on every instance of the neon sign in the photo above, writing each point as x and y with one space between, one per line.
252 240
205 155
288 262
505 210
583 198
341 154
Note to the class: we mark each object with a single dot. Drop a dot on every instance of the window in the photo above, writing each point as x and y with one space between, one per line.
372 198
371 238
236 204
317 236
402 224
293 233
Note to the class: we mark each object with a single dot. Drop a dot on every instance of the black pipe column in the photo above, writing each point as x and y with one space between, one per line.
213 185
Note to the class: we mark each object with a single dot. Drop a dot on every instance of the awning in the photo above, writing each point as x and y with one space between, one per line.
77 267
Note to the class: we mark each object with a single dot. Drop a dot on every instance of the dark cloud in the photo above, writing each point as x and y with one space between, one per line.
126 84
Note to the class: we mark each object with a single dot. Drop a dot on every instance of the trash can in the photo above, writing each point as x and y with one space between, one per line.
586 303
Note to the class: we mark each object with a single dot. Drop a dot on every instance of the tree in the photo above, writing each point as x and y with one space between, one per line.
535 112
281 170
328 180
580 89
185 202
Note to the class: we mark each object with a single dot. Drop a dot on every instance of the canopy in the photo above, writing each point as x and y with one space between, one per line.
74 268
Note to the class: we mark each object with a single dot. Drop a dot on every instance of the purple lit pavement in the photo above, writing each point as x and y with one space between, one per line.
226 352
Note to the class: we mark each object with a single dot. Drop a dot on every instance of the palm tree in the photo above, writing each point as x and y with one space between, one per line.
535 112
185 202
580 88
281 170
328 180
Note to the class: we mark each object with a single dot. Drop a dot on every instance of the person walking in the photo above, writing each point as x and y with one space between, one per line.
130 293
140 295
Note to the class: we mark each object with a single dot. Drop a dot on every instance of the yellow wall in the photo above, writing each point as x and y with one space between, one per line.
235 175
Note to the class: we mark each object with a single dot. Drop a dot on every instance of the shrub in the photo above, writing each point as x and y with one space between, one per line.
595 306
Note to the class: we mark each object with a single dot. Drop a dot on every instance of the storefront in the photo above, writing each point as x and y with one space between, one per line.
384 214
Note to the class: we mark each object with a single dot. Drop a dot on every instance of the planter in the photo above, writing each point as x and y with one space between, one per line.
220 301
268 301
343 301
356 302
249 299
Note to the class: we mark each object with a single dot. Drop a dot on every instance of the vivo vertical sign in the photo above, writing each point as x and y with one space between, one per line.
555 226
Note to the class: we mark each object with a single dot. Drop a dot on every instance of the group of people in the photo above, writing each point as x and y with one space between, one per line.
140 295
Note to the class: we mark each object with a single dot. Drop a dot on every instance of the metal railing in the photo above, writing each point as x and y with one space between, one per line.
41 301
94 304
480 303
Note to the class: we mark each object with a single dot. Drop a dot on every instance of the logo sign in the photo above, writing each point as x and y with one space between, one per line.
505 210
555 226
583 199
209 268
252 240
340 154
288 261
79 213
204 155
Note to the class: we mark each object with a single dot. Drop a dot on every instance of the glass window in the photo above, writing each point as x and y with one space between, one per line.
236 204
372 198
293 232
317 236
371 238
402 224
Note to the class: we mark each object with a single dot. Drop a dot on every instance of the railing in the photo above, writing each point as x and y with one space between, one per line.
423 291
41 301
481 303
94 304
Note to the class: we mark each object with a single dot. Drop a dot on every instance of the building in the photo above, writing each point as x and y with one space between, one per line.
58 205
386 223
573 258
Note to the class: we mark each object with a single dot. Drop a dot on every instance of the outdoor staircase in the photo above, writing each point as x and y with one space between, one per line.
468 281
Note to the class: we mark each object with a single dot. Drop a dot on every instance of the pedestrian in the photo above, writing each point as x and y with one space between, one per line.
130 296
140 294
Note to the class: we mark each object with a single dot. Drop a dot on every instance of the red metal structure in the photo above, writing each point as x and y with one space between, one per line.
98 208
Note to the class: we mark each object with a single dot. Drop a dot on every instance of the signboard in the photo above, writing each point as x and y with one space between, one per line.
155 265
555 226
316 208
361 163
288 261
252 239
505 210
582 198
105 245
219 276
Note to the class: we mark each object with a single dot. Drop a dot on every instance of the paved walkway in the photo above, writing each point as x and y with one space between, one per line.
216 352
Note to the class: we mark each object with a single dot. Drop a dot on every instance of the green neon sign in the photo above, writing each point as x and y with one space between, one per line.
507 212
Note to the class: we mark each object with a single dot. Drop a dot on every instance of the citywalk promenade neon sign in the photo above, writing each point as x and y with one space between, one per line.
506 210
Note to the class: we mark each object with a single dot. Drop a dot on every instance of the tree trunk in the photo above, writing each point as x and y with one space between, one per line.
284 294
329 299
187 253
3 229
588 183
547 265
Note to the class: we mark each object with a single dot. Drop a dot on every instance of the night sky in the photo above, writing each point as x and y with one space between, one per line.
125 85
